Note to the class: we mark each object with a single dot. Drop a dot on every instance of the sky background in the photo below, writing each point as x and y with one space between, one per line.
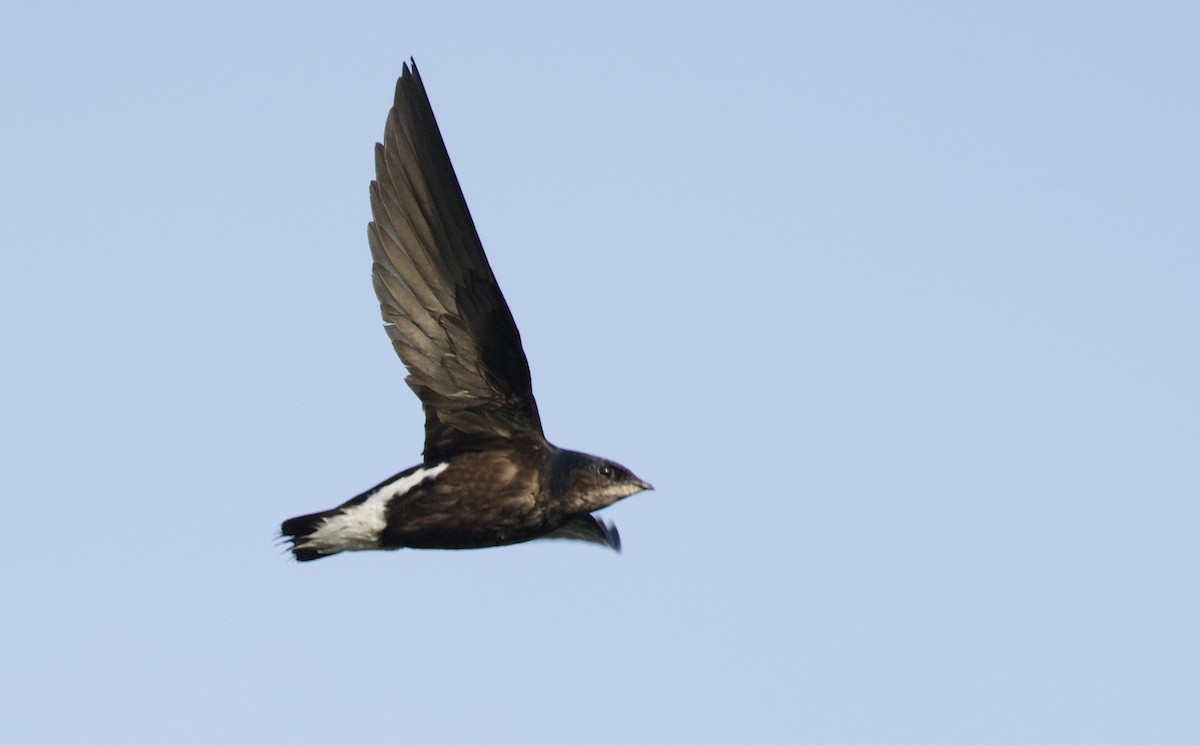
896 304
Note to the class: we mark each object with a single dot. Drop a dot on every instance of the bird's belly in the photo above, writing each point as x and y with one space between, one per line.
466 529
458 513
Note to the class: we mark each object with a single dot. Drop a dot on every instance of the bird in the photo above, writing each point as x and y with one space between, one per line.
488 475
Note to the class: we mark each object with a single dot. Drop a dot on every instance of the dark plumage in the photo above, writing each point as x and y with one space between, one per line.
489 477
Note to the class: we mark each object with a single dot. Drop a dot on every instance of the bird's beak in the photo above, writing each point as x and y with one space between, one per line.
644 486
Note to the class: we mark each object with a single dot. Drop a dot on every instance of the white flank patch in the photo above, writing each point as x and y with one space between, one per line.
358 528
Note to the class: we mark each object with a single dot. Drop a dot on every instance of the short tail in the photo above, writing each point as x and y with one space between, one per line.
299 530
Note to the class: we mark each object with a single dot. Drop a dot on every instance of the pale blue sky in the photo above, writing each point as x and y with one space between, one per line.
896 304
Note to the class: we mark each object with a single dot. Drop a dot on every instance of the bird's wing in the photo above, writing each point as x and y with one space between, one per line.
441 305
590 529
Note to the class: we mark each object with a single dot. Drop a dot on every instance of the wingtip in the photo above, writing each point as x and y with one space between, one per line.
409 69
614 537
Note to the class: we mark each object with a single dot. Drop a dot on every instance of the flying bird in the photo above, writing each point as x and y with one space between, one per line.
489 477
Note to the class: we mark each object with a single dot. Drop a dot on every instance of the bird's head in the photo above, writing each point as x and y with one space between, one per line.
583 483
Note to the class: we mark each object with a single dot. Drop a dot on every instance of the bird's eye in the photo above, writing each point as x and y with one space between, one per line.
605 470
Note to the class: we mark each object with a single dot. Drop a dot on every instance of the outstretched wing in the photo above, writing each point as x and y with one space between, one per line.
441 305
588 528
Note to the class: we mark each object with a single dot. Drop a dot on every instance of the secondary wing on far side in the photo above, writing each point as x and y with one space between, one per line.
442 308
588 528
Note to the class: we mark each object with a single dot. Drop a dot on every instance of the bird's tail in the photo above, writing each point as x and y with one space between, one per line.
299 532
